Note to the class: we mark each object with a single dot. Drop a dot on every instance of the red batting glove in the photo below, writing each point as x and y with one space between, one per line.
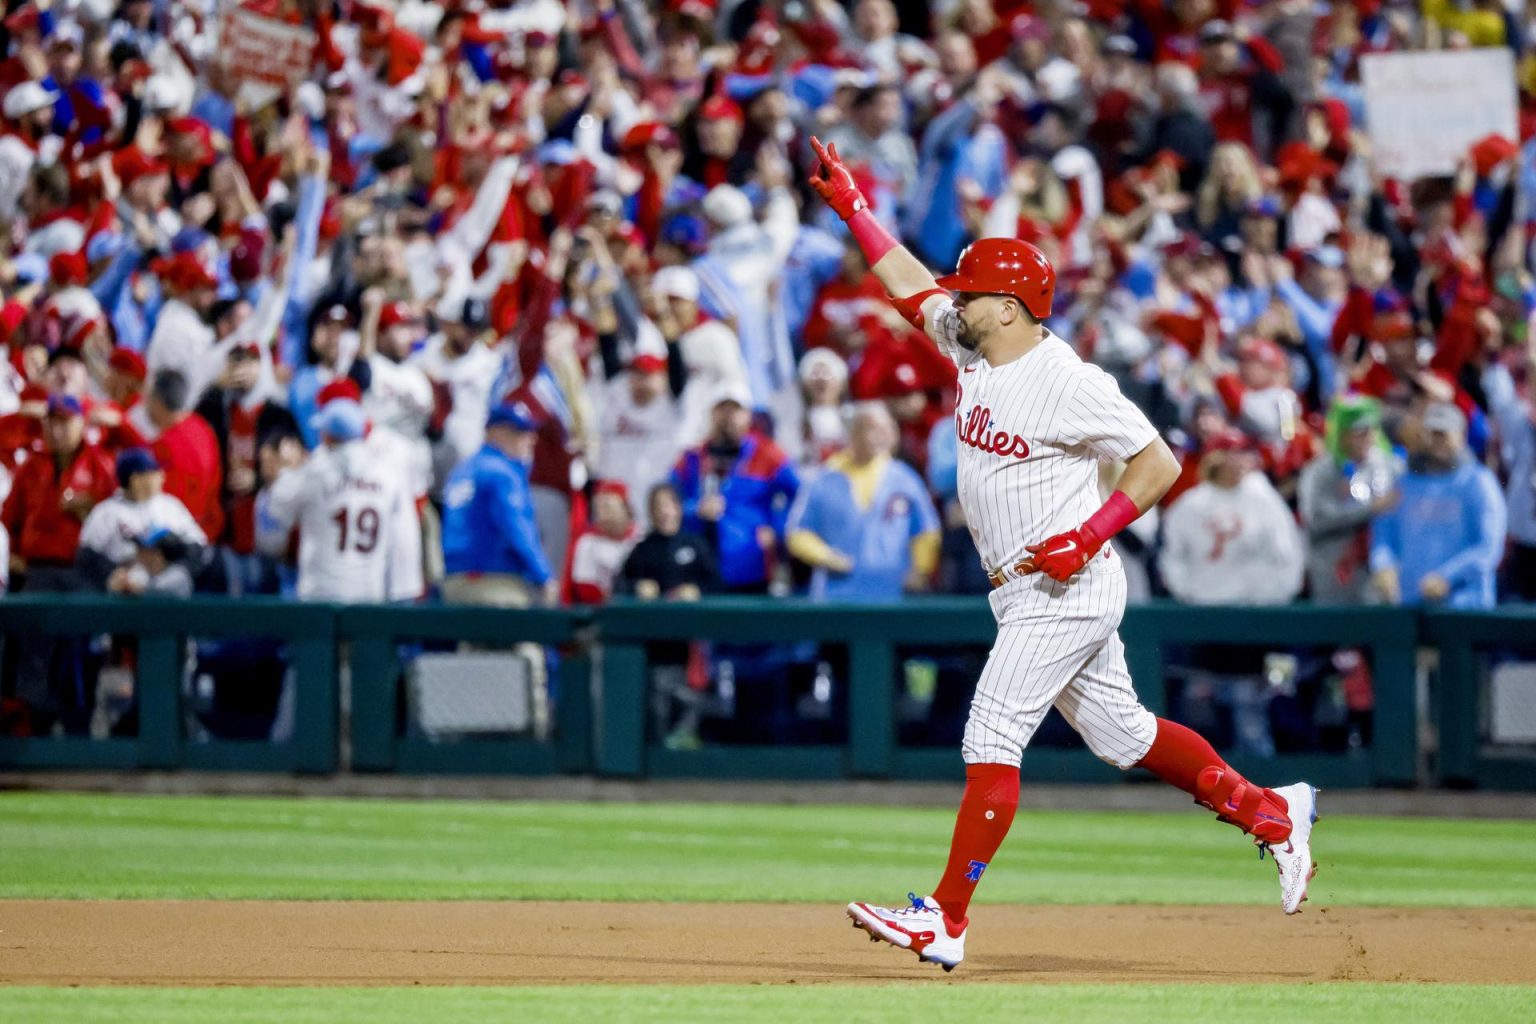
834 182
1063 556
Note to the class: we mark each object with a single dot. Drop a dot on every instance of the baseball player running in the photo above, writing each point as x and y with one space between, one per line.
1033 421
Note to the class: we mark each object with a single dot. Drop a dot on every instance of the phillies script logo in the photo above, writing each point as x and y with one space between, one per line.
976 430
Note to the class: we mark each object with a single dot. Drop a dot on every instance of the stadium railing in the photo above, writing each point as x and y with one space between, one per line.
872 635
1463 705
601 674
162 681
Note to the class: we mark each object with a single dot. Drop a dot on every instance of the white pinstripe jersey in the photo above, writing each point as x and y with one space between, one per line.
1031 435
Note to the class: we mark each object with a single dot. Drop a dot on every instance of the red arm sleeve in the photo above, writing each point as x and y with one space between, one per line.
1230 389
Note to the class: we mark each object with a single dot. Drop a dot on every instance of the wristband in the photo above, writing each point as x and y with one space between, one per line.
871 235
1116 514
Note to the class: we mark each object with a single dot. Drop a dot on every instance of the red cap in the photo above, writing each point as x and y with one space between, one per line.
67 268
1490 151
1227 440
1299 163
193 126
720 108
628 233
614 487
128 363
183 272
1264 351
1025 26
395 313
648 133
130 164
342 387
648 363
1006 266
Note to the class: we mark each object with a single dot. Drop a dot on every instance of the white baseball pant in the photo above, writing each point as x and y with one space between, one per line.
1057 644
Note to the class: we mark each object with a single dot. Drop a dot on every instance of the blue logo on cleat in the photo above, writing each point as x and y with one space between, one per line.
976 868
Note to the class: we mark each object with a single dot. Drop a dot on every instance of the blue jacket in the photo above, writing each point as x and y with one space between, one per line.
1449 524
488 520
758 491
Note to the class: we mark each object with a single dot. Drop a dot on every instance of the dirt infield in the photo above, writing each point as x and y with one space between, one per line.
251 943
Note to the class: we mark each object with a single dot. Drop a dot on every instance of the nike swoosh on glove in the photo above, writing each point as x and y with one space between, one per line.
1063 556
834 182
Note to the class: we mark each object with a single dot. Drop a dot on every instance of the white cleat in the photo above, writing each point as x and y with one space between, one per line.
1293 858
922 928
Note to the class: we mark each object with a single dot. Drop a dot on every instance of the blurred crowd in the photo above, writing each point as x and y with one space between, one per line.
526 301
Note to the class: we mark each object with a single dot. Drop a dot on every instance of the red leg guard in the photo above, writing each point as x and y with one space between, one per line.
1236 801
986 810
1182 757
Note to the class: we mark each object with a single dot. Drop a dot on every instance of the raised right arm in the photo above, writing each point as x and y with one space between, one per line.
909 284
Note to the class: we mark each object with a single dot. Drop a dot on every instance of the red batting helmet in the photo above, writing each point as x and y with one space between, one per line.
1006 266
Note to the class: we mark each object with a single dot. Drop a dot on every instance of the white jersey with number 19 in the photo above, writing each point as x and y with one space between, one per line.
359 534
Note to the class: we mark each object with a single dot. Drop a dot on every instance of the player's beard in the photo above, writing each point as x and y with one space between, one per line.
968 337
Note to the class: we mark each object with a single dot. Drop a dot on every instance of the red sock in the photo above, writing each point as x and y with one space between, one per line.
1179 755
1182 757
986 810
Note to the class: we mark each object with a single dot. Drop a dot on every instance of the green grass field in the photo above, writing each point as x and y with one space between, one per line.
892 1004
123 847
126 847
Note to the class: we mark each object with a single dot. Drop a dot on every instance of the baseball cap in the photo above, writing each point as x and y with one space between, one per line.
676 283
336 313
342 419
1118 45
1215 31
822 362
1228 440
720 108
340 388
28 98
516 415
1330 256
128 362
395 313
133 461
686 232
648 363
726 206
606 201
1444 418
732 392
1262 350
